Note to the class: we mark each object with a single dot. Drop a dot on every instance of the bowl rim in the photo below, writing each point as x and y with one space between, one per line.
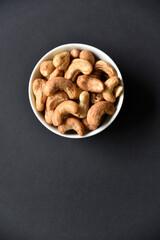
103 126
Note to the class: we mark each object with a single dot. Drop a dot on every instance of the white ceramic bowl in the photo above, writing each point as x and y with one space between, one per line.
36 74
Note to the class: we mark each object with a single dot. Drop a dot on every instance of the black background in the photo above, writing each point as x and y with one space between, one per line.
103 187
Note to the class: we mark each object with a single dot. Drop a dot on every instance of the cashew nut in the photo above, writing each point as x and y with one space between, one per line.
87 126
83 104
46 68
78 65
56 73
48 116
37 86
117 91
105 67
90 84
75 53
85 54
53 101
109 86
72 124
60 83
97 110
96 97
61 60
63 109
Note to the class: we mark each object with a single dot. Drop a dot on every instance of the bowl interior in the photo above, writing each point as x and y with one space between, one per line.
36 74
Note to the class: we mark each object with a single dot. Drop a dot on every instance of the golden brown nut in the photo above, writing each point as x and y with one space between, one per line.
87 126
118 90
37 86
60 83
90 84
46 68
56 73
75 53
53 101
109 86
105 67
63 109
61 60
96 97
78 65
97 110
85 54
48 116
72 124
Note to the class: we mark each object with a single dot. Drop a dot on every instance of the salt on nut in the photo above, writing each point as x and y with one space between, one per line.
56 73
109 86
97 110
60 83
61 60
37 87
85 54
87 126
53 101
96 97
90 84
117 91
83 104
63 109
78 65
105 67
46 68
72 124
75 53
48 116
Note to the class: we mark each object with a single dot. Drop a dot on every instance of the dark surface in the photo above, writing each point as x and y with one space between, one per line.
104 187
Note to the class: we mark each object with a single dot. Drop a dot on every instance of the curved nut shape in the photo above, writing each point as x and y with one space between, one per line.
109 86
46 68
96 97
60 83
85 54
90 84
63 109
61 60
75 53
72 124
78 65
56 73
97 110
118 90
105 67
48 116
83 104
87 126
53 101
37 87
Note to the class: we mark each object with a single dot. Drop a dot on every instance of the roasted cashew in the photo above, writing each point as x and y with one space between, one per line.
105 67
46 68
48 116
60 83
61 60
72 124
63 109
37 86
78 65
53 101
109 86
97 110
90 84
87 126
83 104
85 54
75 53
96 97
56 73
117 91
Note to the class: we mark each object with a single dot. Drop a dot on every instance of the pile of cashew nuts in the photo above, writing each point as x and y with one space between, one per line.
75 91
